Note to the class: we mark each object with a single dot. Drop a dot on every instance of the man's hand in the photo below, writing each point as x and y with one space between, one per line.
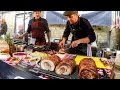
62 44
20 37
75 43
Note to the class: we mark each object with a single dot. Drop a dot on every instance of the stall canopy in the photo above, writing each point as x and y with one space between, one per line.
99 18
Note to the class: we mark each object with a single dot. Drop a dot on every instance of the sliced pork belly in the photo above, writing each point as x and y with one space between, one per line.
65 67
50 63
88 69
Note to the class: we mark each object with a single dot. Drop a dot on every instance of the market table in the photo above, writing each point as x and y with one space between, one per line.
26 72
9 72
22 71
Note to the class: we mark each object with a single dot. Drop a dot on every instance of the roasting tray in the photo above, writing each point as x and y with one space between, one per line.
53 75
38 71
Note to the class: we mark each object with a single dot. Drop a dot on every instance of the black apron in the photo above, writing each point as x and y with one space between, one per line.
81 48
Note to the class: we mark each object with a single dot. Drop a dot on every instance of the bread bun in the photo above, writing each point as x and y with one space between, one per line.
62 51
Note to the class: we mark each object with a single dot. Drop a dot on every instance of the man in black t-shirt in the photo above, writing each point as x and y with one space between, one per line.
82 32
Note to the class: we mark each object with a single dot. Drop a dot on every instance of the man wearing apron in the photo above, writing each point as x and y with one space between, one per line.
82 32
38 27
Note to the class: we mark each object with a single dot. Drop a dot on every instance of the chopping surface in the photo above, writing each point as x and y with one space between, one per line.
99 64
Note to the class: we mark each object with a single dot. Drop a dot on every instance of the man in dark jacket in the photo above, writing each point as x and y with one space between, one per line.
82 32
38 27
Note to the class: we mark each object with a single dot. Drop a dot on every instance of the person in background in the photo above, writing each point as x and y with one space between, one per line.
82 33
3 27
38 27
21 29
21 32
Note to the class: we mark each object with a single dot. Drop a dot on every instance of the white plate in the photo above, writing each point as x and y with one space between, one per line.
4 56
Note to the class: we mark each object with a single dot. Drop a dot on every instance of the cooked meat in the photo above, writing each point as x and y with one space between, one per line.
50 63
88 69
65 67
62 51
51 52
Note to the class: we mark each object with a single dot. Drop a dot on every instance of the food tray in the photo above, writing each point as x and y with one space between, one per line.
53 75
38 71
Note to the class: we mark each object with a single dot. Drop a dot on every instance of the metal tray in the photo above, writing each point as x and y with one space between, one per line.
74 75
38 71
52 74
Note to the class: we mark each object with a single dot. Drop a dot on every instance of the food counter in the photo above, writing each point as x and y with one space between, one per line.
21 69
9 72
41 62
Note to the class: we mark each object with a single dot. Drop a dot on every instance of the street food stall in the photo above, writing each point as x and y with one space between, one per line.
24 60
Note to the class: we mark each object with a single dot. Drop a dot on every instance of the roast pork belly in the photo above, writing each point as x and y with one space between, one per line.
65 67
88 69
50 63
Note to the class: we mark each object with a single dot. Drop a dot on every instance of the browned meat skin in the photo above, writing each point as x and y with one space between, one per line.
70 63
51 52
62 70
88 69
54 58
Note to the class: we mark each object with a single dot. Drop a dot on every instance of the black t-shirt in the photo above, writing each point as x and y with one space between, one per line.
81 30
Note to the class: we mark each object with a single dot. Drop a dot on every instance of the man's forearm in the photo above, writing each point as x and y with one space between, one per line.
24 34
84 40
48 36
64 39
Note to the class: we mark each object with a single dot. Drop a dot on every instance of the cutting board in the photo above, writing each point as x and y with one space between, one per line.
99 64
